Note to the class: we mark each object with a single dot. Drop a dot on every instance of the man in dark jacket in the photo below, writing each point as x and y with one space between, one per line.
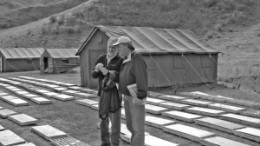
133 72
108 65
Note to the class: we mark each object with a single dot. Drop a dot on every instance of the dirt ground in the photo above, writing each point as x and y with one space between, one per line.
78 121
81 122
215 89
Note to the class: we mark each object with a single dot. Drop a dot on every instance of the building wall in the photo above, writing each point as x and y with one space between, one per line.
56 65
168 70
88 57
151 69
61 65
12 65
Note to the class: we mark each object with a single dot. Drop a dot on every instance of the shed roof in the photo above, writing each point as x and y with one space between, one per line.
62 53
21 53
156 40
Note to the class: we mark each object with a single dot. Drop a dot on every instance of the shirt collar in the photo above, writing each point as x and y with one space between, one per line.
129 58
110 58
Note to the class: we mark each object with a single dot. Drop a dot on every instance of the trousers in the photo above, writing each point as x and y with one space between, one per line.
135 120
111 138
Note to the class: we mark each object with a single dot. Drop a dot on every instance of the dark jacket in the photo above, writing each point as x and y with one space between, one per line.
114 64
134 71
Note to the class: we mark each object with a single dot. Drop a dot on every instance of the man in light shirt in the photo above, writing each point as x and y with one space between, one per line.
107 66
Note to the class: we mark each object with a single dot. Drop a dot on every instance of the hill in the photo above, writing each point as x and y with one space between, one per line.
231 26
205 17
11 5
15 13
240 64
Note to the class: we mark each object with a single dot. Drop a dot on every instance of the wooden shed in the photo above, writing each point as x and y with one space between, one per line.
173 56
20 59
58 60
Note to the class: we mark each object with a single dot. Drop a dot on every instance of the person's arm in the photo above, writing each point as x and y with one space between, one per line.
141 77
96 73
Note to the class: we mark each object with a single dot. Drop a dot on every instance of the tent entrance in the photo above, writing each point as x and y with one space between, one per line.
45 62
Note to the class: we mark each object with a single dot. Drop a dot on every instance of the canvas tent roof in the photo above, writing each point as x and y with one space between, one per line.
157 40
18 53
62 53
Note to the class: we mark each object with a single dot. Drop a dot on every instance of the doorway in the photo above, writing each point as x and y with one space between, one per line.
45 62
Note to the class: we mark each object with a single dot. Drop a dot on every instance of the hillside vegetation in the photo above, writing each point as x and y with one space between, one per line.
231 26
14 13
197 15
205 17
10 5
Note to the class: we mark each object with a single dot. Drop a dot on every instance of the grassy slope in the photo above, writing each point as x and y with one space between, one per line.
240 62
36 11
43 33
202 16
230 26
11 5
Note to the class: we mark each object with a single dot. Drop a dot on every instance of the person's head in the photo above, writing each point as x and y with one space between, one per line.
111 50
124 45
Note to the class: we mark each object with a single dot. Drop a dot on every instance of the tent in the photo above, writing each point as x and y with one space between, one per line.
20 59
173 56
58 60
